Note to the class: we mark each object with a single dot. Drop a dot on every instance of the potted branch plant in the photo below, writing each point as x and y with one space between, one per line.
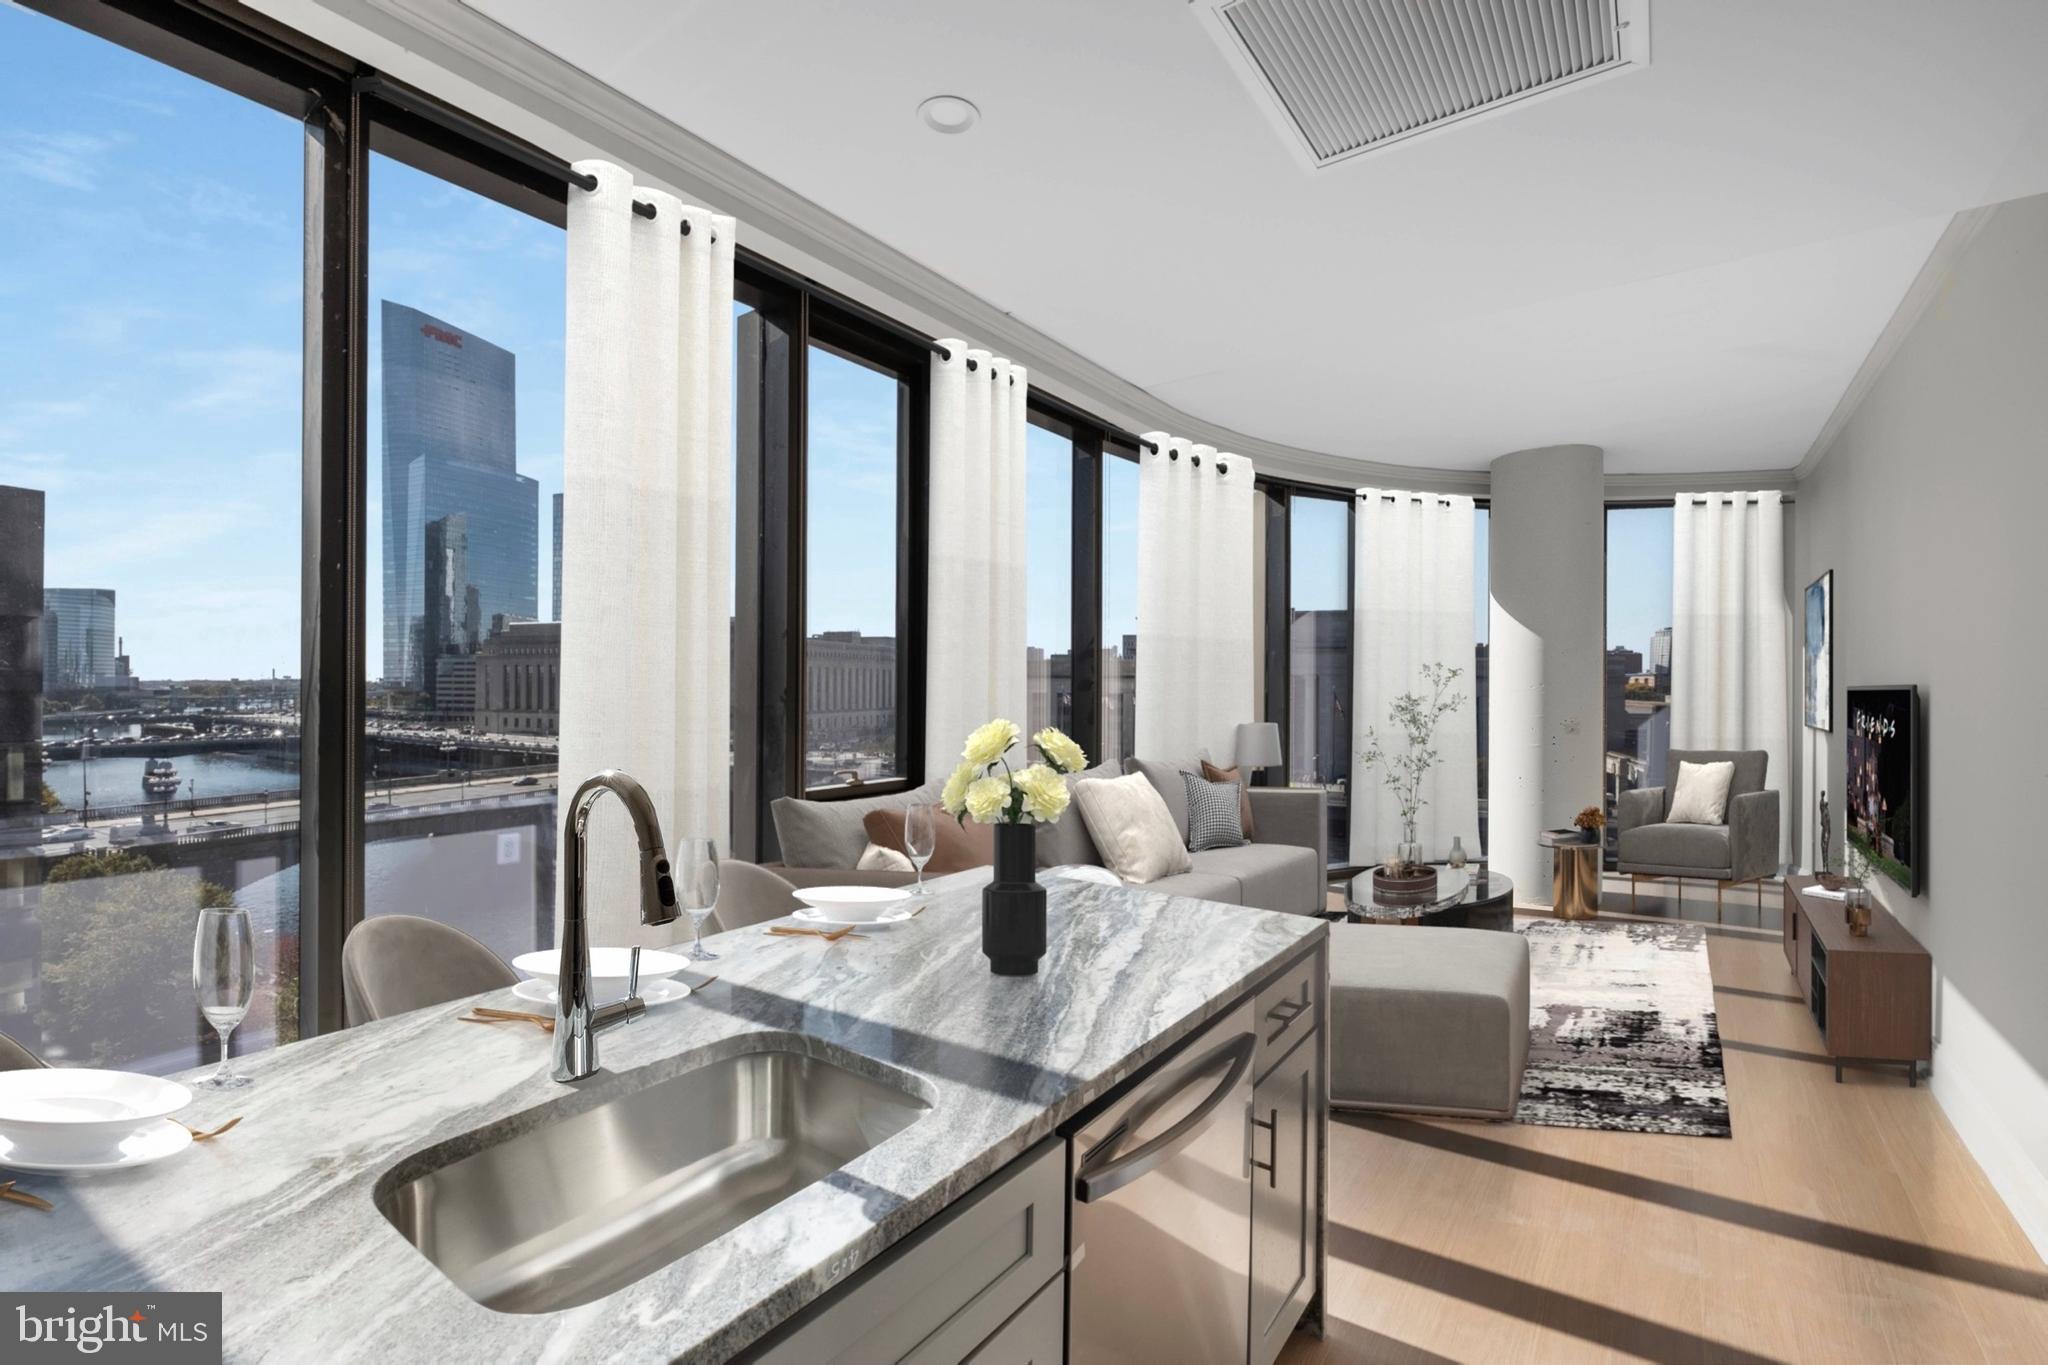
986 789
1415 716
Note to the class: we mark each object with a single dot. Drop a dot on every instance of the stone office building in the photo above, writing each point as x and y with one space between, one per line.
519 679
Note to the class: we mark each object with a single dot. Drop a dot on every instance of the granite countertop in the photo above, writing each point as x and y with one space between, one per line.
278 1215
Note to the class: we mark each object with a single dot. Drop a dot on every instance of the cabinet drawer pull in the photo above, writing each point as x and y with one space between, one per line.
1272 1168
1287 1011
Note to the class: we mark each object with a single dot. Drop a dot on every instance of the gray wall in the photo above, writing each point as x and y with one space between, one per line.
1546 547
1929 507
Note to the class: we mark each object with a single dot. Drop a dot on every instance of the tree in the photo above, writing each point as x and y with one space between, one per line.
52 803
117 954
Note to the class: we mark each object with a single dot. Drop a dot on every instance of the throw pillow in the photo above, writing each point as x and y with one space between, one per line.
956 848
879 859
1244 793
1132 828
1700 796
1213 819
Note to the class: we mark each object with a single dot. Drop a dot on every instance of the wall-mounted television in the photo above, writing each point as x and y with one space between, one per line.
1886 782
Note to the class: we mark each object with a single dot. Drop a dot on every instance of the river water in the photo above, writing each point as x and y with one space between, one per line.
117 780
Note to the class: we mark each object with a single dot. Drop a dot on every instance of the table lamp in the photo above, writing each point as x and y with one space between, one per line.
1258 744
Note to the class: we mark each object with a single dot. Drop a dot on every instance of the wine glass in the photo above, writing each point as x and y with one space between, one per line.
920 839
224 977
696 876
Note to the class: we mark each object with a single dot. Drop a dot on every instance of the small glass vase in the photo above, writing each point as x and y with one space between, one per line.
1456 857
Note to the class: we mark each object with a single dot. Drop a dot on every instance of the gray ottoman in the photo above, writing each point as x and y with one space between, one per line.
1428 1020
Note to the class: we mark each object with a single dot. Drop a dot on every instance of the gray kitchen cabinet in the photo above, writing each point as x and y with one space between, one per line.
947 1289
1287 1134
1036 1336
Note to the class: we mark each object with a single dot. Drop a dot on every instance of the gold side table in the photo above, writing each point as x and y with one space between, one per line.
1574 874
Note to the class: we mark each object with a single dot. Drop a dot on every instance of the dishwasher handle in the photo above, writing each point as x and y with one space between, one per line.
1091 1185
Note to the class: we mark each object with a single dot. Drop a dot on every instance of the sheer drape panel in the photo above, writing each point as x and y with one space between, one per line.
1195 607
647 524
1413 607
975 596
1731 629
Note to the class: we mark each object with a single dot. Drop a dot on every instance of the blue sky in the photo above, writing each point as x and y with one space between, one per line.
150 282
149 345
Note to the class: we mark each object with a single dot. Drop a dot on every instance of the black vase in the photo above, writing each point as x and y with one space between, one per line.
1013 905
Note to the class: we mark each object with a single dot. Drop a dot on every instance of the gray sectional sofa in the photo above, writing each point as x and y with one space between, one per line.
1283 868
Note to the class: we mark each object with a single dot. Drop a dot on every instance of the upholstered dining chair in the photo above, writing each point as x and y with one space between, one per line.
15 1057
748 894
1742 848
395 963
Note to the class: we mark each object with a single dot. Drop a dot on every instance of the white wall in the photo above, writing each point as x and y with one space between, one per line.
1547 549
1930 508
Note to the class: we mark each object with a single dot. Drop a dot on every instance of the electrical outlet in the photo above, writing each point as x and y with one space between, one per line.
508 848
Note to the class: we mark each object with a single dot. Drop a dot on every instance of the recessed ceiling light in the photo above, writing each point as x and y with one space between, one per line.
948 114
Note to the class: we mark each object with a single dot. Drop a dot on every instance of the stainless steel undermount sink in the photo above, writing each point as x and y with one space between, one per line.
579 1208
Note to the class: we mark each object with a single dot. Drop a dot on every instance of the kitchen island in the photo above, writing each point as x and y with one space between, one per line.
281 1216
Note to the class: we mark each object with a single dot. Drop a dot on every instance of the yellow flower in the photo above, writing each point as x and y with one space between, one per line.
990 742
1045 793
954 798
1060 751
987 797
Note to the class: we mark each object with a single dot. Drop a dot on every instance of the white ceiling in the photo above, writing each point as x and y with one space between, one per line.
1684 265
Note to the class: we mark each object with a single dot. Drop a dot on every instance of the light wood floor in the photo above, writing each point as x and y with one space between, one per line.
1840 1223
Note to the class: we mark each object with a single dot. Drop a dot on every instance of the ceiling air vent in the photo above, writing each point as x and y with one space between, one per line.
1340 77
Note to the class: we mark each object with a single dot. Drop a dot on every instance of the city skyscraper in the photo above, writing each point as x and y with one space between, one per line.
78 638
1660 651
556 600
450 449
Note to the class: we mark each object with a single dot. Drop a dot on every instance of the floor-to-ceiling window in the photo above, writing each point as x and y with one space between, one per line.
1119 673
1481 524
151 289
858 446
1637 670
1319 657
466 310
1049 674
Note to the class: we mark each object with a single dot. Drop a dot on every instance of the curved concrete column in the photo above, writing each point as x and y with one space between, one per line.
1547 558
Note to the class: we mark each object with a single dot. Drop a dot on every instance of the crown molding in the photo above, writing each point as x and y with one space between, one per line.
1664 487
1920 294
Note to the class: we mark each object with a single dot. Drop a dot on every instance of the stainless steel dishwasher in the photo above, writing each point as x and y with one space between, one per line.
1160 1211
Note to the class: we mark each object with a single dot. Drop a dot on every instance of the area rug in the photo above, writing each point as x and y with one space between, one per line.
1622 1031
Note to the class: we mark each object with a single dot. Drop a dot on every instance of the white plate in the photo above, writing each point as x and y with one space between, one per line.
81 1114
854 904
608 967
818 919
161 1139
651 992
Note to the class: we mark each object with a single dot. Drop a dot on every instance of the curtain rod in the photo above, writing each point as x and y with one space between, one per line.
1746 502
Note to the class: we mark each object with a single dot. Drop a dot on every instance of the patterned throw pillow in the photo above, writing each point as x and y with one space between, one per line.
1213 819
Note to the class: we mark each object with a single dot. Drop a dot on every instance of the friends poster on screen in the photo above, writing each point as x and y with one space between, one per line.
1883 781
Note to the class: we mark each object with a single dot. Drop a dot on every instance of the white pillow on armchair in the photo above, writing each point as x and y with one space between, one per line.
1700 796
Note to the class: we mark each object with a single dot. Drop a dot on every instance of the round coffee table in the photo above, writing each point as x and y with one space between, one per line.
1470 897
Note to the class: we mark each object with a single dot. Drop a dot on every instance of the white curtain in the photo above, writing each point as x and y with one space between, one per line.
1195 600
1730 629
1413 607
974 649
647 525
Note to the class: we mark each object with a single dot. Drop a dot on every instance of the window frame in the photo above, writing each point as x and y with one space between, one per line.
857 339
1279 495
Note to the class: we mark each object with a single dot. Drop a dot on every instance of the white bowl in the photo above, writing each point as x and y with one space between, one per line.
853 904
67 1114
608 967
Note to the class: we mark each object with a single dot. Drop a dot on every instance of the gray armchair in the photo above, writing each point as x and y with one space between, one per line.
1745 849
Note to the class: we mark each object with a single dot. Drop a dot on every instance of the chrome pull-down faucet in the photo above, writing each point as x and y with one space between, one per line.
577 1020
